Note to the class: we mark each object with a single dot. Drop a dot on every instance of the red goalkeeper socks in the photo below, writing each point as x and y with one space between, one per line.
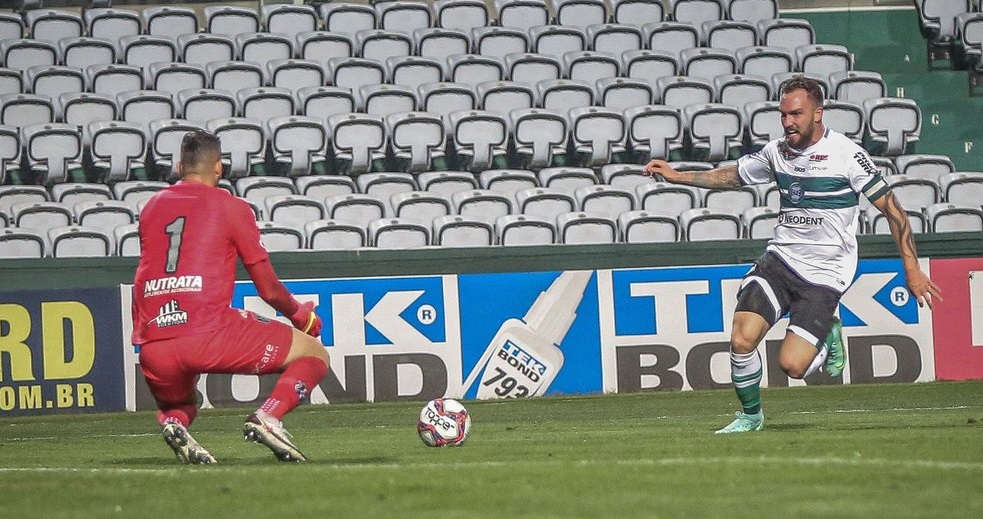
294 385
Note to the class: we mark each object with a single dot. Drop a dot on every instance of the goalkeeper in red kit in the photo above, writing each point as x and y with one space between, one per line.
191 234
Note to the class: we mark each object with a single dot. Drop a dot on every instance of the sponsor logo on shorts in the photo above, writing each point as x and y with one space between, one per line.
172 285
170 315
268 353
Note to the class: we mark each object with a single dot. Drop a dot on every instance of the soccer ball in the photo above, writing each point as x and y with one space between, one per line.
443 422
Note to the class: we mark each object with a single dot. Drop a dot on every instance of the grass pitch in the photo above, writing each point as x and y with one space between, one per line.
835 451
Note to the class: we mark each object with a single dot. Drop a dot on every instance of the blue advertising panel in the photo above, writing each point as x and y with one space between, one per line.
61 351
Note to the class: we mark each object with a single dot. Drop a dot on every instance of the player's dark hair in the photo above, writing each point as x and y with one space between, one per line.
812 88
199 148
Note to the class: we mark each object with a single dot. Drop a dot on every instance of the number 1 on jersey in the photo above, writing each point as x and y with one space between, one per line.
174 230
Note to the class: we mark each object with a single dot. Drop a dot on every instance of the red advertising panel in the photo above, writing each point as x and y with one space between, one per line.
957 321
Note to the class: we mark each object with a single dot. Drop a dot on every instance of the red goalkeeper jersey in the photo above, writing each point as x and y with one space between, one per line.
190 236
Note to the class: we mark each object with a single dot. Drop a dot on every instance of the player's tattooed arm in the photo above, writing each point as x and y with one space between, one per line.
923 288
719 178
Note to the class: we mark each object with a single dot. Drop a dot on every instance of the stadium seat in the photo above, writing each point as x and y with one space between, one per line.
764 61
262 47
413 71
264 103
622 93
257 189
924 166
696 11
50 25
113 79
334 235
398 233
323 186
520 229
703 224
580 13
298 143
40 215
384 100
85 52
894 124
169 21
846 118
358 141
672 36
777 80
649 65
484 204
680 91
637 12
914 193
230 19
82 108
280 237
293 210
417 140
962 187
604 200
582 228
823 59
563 95
759 222
764 123
203 48
356 208
11 26
323 102
654 131
566 179
22 110
21 54
321 46
143 106
738 90
421 206
787 33
294 74
625 176
507 181
599 134
497 42
878 223
54 151
135 192
446 182
379 45
403 16
937 21
729 34
463 231
504 96
347 17
355 73
479 138
443 99
949 217
118 149
532 68
471 69
22 243
243 144
127 239
707 63
142 50
715 130
615 38
642 226
856 86
52 81
75 241
385 184
522 14
589 66
665 199
752 10
200 105
544 202
438 43
557 40
104 215
461 14
171 78
289 19
540 136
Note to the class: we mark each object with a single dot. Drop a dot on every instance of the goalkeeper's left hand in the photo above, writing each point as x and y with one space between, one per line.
306 320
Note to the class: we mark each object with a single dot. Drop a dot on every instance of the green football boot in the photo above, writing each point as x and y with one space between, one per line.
744 423
836 354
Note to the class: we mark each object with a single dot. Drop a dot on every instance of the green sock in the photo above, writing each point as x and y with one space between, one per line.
745 373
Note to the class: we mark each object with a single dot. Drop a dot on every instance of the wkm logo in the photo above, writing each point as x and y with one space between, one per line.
170 315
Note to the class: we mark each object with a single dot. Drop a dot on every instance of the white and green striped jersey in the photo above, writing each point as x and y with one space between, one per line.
816 233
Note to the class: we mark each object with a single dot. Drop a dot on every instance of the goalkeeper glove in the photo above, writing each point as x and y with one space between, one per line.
306 320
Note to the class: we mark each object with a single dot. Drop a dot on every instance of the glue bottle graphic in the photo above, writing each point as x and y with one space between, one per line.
524 356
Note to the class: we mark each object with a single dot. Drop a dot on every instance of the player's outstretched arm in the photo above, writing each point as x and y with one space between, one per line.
271 289
923 288
719 178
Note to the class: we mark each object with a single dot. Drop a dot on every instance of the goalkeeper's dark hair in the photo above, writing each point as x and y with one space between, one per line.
199 149
812 88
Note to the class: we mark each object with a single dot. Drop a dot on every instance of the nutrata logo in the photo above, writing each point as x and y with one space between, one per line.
170 315
172 285
795 192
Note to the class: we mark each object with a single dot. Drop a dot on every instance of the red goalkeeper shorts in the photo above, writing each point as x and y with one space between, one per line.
244 344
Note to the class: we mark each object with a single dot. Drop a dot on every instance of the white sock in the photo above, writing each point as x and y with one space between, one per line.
817 362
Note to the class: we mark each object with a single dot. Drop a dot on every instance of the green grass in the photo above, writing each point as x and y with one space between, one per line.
833 451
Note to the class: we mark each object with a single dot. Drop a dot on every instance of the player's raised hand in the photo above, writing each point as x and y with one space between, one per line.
924 289
307 320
